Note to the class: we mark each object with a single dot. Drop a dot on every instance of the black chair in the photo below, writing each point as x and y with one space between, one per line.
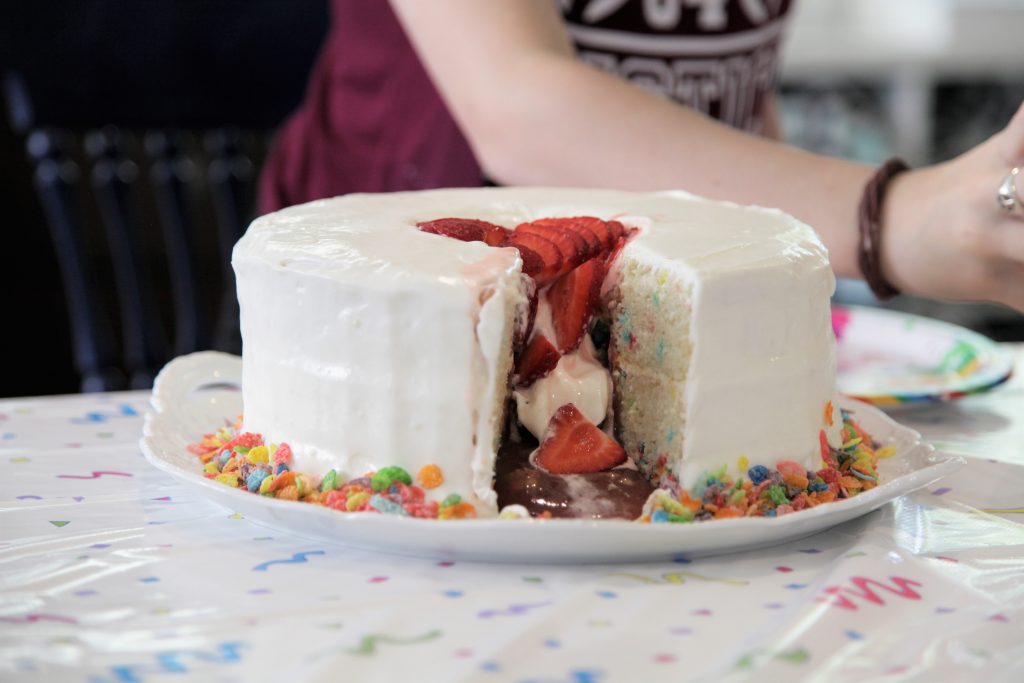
145 125
190 185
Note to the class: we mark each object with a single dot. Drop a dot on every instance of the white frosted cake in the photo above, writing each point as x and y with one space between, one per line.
368 342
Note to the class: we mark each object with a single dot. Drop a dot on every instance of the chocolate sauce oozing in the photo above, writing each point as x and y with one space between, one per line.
619 493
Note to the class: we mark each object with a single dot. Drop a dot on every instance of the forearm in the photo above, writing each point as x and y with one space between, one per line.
578 126
536 115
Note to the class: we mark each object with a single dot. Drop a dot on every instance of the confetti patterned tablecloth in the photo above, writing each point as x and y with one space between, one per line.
112 572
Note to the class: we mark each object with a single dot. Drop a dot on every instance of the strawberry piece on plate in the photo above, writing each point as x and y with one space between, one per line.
466 230
549 253
574 445
573 299
539 359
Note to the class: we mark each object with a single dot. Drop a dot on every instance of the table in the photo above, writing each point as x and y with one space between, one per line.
111 572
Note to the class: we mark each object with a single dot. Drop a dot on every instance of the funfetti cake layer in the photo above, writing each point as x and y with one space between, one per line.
721 335
368 343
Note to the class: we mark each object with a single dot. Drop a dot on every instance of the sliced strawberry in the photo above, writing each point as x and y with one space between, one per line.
549 253
466 230
533 264
539 359
575 249
578 226
619 246
573 299
617 229
573 445
596 227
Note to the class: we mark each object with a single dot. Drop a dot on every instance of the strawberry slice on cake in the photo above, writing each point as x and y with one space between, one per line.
466 230
573 299
537 361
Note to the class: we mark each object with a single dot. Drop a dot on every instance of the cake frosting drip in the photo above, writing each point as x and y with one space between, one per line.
368 343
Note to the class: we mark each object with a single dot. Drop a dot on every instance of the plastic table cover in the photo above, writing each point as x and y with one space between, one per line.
111 572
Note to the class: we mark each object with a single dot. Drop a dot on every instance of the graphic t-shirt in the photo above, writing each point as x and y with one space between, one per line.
372 121
715 56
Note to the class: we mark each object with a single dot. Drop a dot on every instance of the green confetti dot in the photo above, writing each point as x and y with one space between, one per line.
60 523
794 656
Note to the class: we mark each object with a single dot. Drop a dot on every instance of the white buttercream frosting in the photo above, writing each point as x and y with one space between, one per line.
368 343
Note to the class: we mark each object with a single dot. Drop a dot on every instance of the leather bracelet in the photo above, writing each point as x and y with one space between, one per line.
869 218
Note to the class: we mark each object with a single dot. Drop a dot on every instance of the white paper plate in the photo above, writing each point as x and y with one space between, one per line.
195 394
890 358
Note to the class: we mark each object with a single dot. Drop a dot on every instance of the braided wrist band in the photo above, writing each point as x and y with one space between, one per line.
869 218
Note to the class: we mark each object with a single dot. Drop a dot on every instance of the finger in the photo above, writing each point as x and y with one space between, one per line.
1013 138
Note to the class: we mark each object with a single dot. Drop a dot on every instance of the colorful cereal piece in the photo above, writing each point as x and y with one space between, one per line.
788 466
357 501
430 476
228 479
777 495
283 454
457 511
388 475
287 493
796 479
282 480
758 473
255 479
329 482
258 455
382 504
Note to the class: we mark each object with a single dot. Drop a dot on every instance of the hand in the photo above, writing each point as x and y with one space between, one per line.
945 236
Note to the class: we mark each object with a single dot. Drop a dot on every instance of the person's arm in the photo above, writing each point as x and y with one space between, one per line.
536 115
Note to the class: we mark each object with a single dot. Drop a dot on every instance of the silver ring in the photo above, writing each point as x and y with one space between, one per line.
1007 194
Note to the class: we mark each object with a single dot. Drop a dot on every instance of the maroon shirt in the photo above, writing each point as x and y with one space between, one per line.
372 121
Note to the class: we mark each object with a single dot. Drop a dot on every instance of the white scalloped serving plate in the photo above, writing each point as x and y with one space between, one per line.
196 393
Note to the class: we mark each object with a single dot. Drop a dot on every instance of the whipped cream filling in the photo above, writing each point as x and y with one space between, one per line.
579 378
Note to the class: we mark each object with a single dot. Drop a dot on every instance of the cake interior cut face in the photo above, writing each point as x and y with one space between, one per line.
567 351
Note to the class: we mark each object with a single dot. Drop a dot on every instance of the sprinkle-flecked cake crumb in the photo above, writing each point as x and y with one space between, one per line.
244 460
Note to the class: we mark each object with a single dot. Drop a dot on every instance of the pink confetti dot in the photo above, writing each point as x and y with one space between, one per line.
446 563
783 569
378 579
463 653
664 658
